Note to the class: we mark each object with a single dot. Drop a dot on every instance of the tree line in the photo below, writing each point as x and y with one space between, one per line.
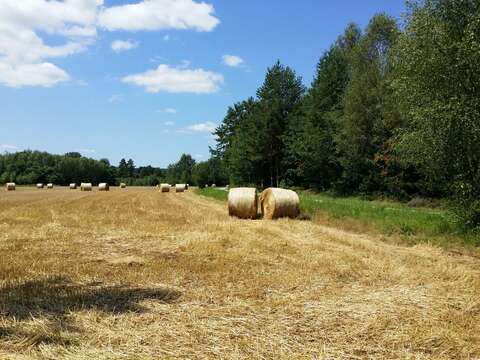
391 111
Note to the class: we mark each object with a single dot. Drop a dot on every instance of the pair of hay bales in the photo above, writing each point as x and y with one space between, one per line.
274 203
164 188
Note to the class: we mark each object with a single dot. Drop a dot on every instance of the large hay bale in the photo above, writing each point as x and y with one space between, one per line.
103 187
10 186
242 203
39 186
49 186
276 203
86 187
73 186
180 188
164 188
123 185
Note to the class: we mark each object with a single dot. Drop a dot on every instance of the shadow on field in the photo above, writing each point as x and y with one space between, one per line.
49 301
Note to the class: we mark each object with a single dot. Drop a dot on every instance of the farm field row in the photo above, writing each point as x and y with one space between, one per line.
135 273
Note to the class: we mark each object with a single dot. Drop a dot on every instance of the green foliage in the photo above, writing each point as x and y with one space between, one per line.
214 193
210 172
437 77
181 171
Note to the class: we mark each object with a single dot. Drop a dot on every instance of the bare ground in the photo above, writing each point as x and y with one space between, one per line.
136 274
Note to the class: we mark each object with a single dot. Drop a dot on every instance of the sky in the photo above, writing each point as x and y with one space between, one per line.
150 79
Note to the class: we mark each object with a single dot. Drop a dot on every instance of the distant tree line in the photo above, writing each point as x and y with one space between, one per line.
30 167
390 111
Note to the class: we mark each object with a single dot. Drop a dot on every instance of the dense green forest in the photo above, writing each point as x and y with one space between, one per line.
393 110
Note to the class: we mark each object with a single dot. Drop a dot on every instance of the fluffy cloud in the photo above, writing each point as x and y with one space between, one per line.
168 111
22 50
232 60
25 58
203 127
123 45
8 147
159 15
176 80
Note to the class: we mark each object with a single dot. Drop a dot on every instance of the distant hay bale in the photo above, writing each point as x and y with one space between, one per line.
180 188
39 186
10 186
103 187
164 188
123 185
73 186
214 185
86 187
242 203
276 203
50 186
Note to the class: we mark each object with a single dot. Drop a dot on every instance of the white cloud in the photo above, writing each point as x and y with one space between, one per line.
169 123
123 45
7 147
168 111
25 57
176 80
85 151
203 127
158 15
115 98
232 60
23 51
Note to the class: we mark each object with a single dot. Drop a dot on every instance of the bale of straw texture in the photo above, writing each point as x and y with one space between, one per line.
242 203
50 186
86 187
276 203
39 186
73 186
180 188
123 185
10 186
164 188
103 187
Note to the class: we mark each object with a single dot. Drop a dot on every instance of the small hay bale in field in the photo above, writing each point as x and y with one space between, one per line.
242 203
86 187
39 186
164 188
10 186
276 203
123 185
50 186
180 188
73 186
103 187
214 185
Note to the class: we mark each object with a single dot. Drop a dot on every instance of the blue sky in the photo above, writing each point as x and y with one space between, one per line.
148 79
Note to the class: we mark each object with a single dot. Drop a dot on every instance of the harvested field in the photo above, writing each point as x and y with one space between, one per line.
137 274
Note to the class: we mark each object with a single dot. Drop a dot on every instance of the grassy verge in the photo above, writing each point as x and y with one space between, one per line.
411 225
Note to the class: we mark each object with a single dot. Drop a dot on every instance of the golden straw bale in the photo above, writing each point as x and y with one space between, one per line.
123 185
180 188
103 187
39 186
10 186
73 186
86 187
164 188
276 203
49 186
242 203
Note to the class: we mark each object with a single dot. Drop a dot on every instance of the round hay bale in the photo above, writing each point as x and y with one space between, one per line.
180 188
123 185
73 186
164 188
242 203
276 203
206 185
214 185
10 186
86 187
39 186
49 186
103 187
